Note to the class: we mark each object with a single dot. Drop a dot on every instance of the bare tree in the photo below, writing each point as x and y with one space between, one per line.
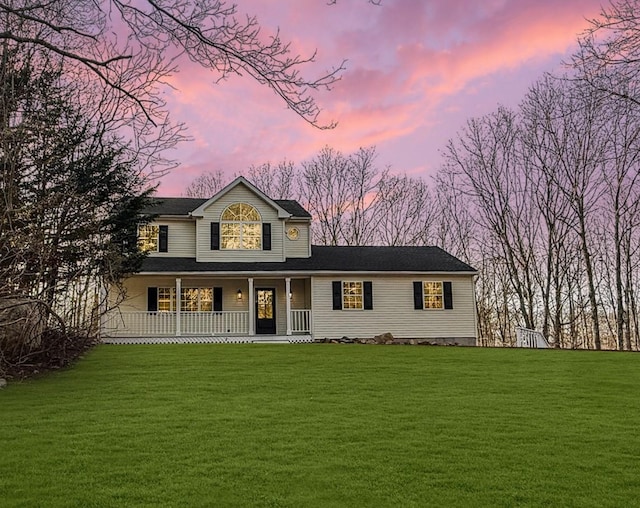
132 46
206 185
341 193
323 183
404 211
485 156
608 55
276 181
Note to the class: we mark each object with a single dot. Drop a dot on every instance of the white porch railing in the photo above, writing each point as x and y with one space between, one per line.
146 324
301 321
530 338
161 324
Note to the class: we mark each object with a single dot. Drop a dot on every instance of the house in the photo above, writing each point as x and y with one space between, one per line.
242 264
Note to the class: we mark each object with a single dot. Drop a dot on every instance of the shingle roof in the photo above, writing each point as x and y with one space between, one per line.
173 206
328 259
293 207
182 206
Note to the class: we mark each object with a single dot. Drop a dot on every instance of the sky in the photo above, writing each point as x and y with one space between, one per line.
416 71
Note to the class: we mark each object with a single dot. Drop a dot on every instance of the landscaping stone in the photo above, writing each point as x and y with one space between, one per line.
3 383
384 338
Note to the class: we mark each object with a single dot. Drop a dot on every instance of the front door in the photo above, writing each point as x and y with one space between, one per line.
266 310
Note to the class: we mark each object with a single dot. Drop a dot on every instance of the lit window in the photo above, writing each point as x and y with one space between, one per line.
241 228
191 300
433 295
148 237
166 299
196 299
351 295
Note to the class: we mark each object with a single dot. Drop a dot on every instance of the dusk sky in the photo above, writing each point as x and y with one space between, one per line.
416 70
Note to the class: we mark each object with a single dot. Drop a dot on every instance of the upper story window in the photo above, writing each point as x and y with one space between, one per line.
241 228
148 235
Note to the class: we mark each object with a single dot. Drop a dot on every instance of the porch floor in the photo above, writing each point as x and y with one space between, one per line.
253 339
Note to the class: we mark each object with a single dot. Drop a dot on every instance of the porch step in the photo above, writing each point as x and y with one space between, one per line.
271 339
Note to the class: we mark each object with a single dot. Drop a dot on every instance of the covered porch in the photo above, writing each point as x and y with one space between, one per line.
210 306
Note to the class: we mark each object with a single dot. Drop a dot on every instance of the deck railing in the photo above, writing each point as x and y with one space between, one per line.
301 321
530 338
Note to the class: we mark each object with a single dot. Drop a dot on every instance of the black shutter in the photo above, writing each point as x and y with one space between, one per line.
448 296
266 236
215 236
217 299
418 302
163 239
152 299
368 295
337 295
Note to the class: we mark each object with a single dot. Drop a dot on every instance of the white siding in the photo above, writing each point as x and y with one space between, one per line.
297 248
393 310
182 238
239 194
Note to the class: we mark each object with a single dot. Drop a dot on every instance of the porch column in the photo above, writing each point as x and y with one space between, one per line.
287 292
250 299
178 305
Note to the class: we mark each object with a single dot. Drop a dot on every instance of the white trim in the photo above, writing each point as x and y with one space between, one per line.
300 273
441 295
342 295
251 300
287 291
178 305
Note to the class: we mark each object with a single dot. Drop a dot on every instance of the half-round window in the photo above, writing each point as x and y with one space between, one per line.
241 227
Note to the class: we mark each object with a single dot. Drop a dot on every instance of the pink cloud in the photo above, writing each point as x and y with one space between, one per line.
413 66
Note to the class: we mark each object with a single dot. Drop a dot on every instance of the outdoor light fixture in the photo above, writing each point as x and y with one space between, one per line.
239 294
290 296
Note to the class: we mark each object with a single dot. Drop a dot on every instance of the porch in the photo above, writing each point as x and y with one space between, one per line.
177 324
211 305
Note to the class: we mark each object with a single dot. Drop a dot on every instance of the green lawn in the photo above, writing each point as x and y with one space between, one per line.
325 425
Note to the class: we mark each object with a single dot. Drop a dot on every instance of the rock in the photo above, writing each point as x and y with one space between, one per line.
385 338
3 383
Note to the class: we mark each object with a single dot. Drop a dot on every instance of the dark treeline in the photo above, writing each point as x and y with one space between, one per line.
543 199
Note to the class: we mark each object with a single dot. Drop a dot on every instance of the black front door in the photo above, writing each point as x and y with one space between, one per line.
266 310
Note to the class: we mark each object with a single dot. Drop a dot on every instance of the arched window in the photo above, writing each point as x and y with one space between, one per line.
241 227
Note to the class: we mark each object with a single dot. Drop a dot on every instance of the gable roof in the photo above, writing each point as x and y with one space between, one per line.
331 259
184 206
199 212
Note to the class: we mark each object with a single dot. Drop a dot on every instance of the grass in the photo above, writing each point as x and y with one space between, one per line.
324 425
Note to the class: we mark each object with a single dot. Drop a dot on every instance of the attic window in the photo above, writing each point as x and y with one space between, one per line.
241 228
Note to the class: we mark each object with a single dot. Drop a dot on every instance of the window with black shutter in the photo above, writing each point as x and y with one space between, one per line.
217 299
163 239
448 295
337 294
368 295
215 236
418 303
266 236
152 299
